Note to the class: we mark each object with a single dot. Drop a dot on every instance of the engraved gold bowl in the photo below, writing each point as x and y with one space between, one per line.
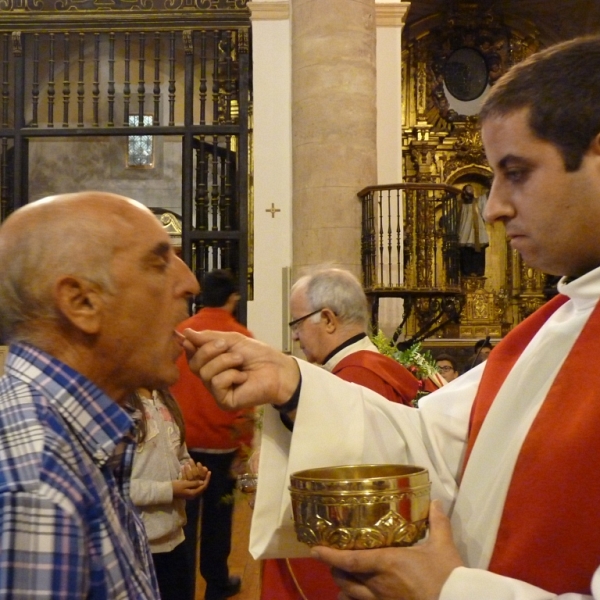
360 506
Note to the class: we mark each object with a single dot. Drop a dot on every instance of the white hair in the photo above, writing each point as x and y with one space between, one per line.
336 289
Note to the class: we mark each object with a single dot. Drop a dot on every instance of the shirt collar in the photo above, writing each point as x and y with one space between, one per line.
97 421
583 290
348 342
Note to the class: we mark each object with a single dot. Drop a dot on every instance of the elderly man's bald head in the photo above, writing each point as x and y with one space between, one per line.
70 234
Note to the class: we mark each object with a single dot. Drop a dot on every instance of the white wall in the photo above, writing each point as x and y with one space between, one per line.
271 55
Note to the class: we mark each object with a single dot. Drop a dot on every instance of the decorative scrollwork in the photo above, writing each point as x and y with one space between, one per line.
468 145
19 5
357 520
390 530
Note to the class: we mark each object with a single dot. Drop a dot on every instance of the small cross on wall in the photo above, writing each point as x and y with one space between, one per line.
272 210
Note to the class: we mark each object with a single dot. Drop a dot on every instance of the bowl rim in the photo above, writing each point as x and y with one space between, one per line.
309 474
414 490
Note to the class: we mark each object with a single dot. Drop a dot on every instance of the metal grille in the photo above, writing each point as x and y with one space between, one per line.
99 79
192 79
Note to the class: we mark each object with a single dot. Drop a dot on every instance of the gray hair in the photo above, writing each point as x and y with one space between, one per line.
338 290
36 252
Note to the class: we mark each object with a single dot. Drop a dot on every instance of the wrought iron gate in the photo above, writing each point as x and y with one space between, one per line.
95 69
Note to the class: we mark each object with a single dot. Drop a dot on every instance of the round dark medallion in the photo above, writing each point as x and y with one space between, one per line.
466 74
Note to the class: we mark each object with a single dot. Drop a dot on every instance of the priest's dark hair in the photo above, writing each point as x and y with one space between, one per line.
561 89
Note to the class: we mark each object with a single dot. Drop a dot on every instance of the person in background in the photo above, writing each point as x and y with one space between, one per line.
216 438
481 352
504 440
447 366
330 320
163 478
90 294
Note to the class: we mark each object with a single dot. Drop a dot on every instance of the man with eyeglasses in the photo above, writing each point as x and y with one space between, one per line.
330 323
330 320
447 367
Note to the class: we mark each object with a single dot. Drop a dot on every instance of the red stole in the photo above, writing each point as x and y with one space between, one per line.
549 533
297 579
379 373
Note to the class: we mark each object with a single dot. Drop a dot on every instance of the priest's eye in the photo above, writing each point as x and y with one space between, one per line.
516 175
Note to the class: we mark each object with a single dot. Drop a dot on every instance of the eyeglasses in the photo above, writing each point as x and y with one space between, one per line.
293 325
444 369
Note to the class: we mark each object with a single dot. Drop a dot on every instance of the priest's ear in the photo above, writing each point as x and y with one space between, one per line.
594 148
330 319
79 301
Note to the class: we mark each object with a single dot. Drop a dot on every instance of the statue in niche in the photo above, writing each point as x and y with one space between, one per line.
472 235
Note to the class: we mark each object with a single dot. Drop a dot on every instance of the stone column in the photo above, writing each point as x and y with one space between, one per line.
334 116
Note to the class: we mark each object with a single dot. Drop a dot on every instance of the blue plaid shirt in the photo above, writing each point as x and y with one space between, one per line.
68 528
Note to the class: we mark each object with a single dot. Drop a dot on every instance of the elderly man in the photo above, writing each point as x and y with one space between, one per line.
511 447
90 295
330 320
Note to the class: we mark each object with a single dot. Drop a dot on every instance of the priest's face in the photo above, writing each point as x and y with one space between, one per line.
308 332
552 217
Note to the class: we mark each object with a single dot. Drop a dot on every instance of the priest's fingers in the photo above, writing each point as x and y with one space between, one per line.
372 574
350 562
417 573
228 389
202 347
440 530
241 371
212 359
353 588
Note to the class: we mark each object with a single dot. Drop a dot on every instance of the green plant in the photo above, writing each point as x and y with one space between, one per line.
419 362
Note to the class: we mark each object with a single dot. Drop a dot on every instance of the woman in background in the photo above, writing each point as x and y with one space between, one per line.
163 478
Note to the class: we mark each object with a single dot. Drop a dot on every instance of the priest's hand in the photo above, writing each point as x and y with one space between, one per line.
240 371
416 573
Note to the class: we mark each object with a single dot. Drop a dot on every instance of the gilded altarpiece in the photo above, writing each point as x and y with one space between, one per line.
442 145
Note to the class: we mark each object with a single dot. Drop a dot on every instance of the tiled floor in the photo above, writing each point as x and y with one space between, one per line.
240 561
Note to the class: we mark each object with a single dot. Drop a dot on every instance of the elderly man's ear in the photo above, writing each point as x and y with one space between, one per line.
330 320
80 302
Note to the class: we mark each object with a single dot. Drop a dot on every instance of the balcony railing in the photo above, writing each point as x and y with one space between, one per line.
409 249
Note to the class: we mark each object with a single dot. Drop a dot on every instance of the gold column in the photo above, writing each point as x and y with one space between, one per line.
333 127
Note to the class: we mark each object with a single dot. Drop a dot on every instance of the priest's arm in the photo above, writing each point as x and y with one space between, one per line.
337 422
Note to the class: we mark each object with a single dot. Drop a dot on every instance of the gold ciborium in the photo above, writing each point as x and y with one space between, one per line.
360 506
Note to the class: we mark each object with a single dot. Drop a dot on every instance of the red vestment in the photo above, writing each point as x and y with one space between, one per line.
379 373
548 533
207 425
